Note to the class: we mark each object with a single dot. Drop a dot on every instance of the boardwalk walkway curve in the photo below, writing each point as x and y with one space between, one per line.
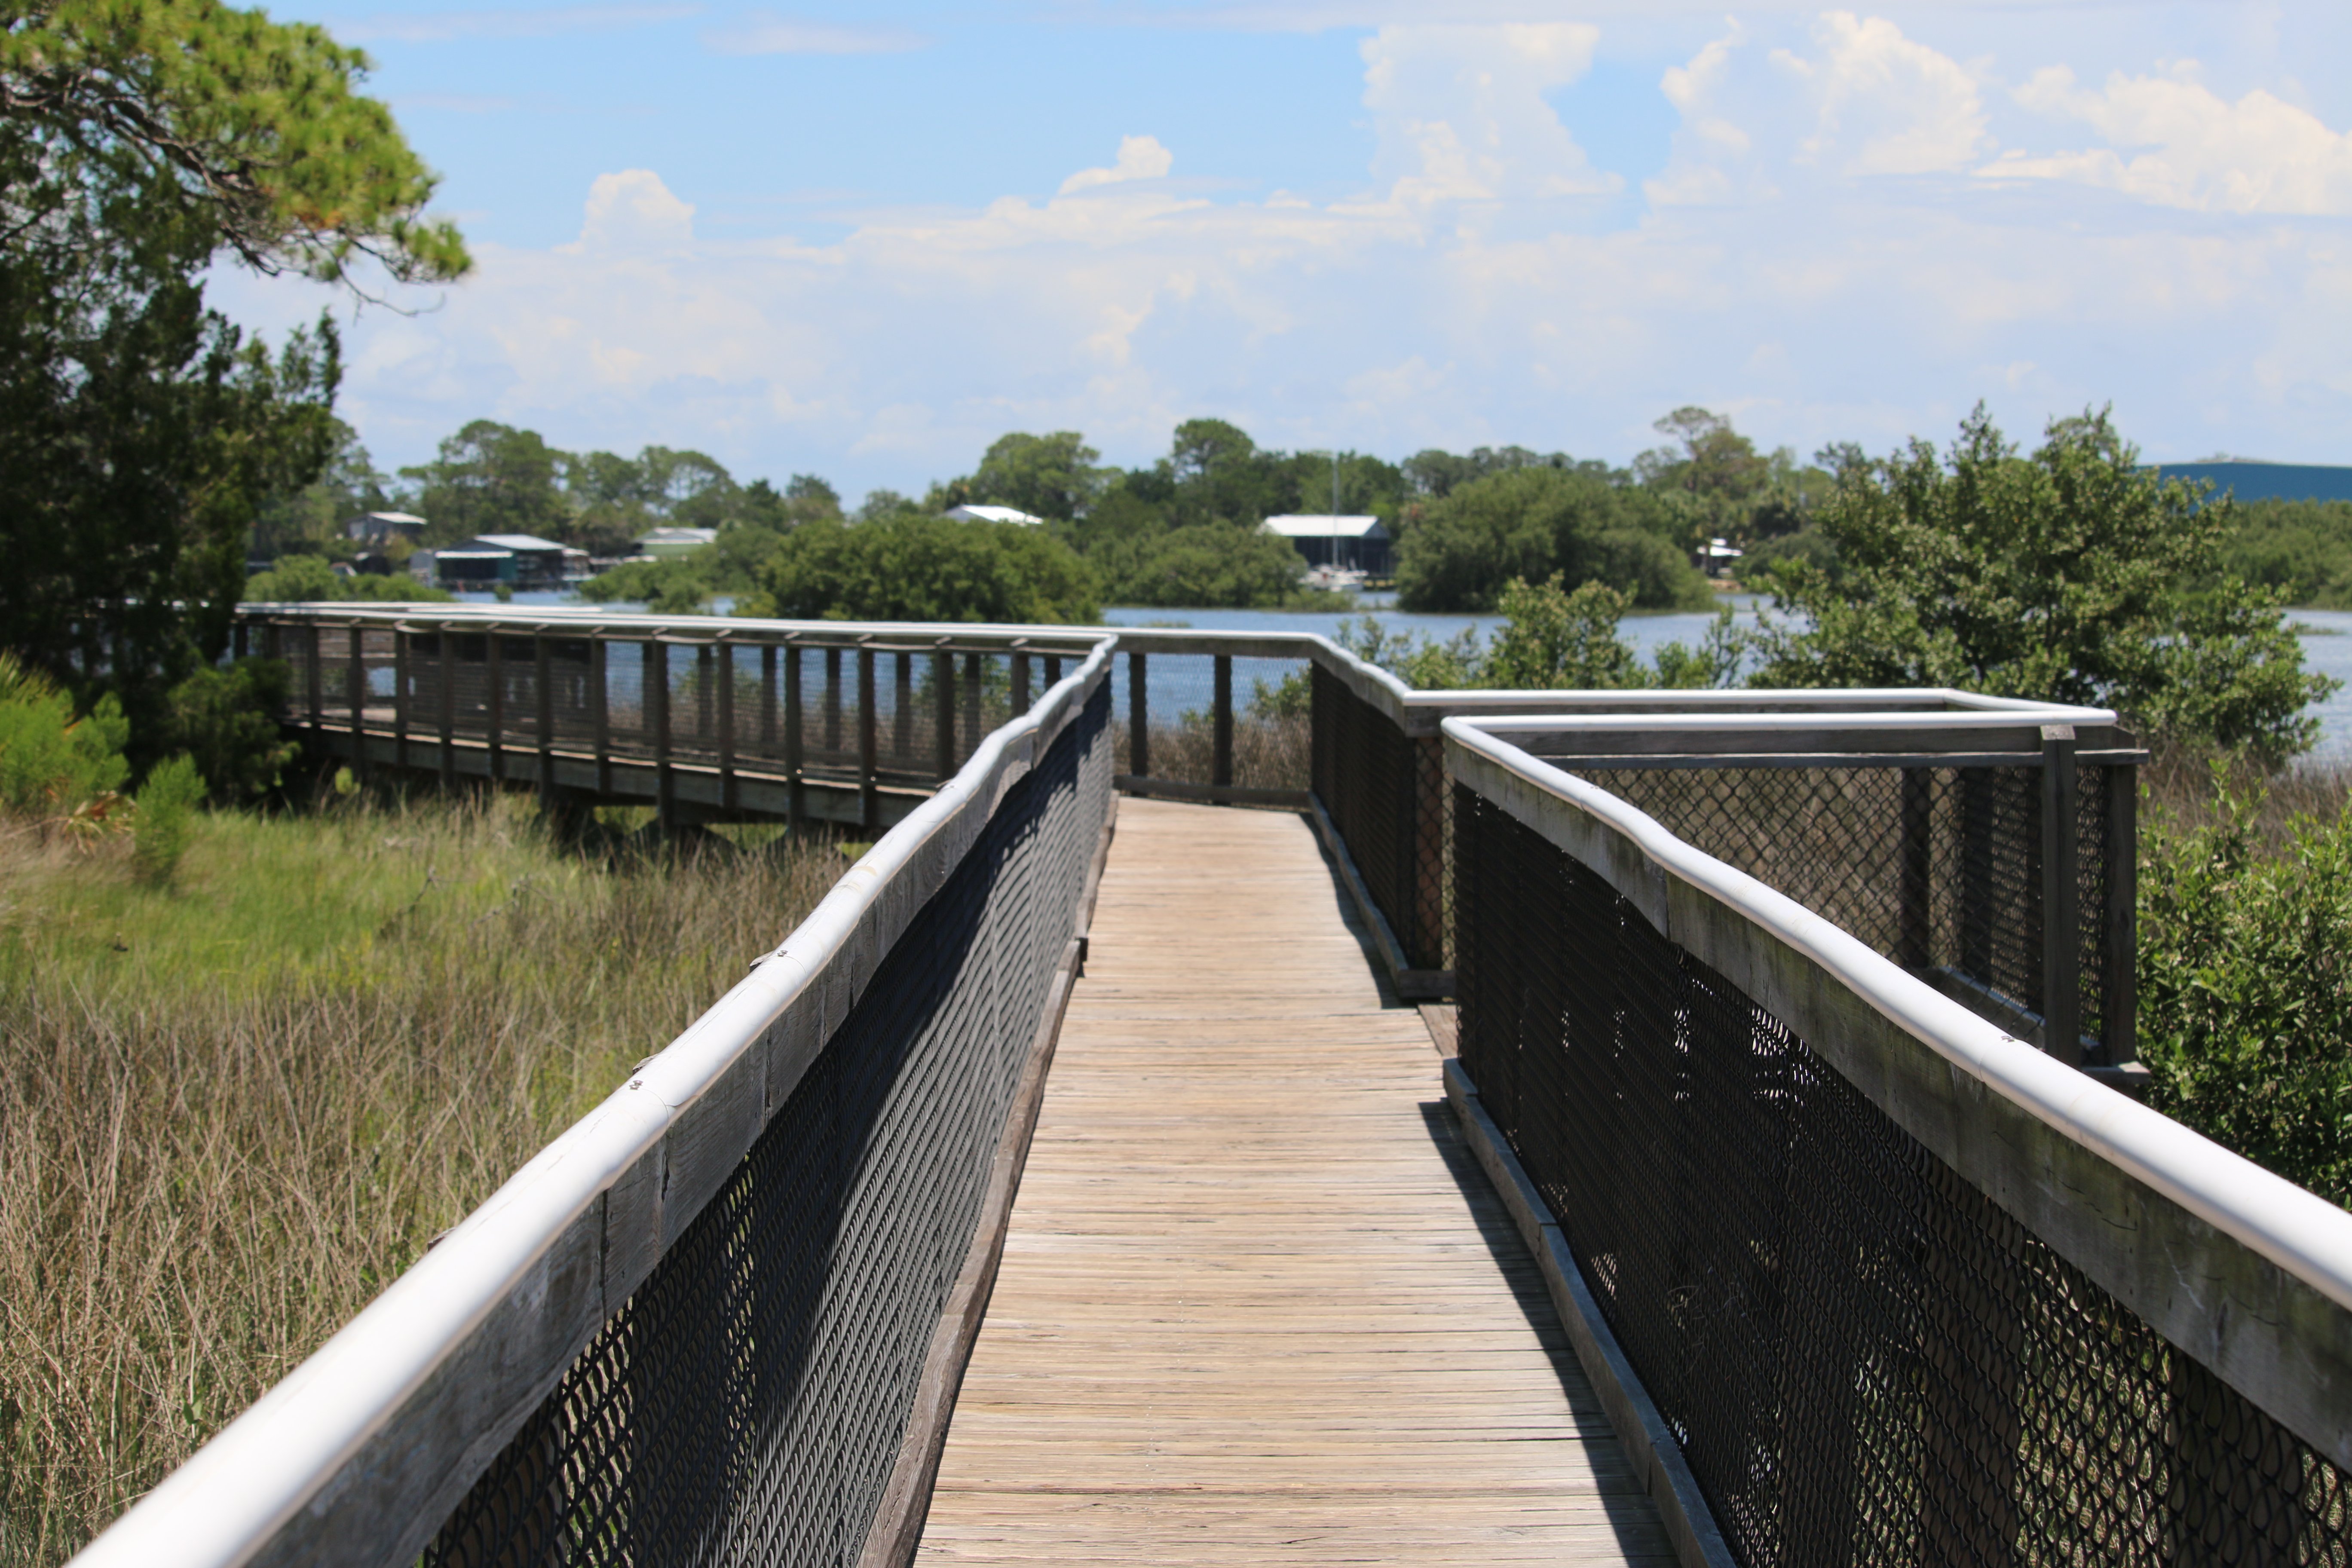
1257 1303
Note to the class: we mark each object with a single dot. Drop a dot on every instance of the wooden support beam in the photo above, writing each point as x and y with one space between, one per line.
767 699
902 710
944 715
494 706
542 690
446 668
400 697
1021 683
1914 824
355 686
2119 1006
600 712
973 728
832 701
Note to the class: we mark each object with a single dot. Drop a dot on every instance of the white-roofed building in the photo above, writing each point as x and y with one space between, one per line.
994 514
1341 543
667 543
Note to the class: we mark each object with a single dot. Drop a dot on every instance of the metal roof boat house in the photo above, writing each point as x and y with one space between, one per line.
518 560
1341 543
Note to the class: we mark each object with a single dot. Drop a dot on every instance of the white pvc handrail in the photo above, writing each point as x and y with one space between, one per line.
2300 1231
236 1491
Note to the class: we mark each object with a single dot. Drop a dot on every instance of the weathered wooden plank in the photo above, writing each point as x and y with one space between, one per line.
1257 1304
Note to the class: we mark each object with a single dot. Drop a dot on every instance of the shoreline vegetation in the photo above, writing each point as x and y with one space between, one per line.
233 1108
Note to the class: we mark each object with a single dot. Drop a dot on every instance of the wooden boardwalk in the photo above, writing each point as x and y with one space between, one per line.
1257 1302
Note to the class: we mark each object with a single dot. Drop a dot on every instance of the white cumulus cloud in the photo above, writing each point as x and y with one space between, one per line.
2174 141
1140 158
1885 103
1461 113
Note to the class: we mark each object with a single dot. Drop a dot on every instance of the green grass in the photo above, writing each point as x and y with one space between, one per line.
233 1109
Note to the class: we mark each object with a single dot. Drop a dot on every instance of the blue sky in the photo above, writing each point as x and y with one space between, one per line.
863 243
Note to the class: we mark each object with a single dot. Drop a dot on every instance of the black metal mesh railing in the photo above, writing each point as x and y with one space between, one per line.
747 1402
1863 1359
1385 792
1939 870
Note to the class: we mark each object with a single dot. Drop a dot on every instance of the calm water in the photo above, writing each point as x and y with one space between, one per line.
2327 640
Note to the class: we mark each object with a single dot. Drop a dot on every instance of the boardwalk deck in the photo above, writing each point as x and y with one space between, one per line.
1257 1303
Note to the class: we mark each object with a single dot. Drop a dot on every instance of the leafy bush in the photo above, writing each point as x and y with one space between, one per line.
52 762
226 722
1552 639
2070 576
1204 565
167 809
2245 994
2301 548
1530 523
911 567
312 579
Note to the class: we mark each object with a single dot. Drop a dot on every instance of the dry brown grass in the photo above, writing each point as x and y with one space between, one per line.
232 1112
2180 794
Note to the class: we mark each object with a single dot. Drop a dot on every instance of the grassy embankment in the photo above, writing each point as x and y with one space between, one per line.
231 1112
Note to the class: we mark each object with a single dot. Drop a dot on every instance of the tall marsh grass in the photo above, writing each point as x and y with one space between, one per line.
233 1108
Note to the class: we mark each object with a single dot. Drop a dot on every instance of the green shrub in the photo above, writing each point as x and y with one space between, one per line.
1529 524
910 567
166 819
2245 996
52 762
312 579
226 721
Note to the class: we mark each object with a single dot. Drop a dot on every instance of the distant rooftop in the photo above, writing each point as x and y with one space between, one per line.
1308 525
515 541
994 514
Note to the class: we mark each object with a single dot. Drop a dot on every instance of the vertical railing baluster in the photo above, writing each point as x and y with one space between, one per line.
446 668
725 675
869 801
494 706
832 703
2061 926
973 728
943 717
658 719
1021 680
1221 704
1053 669
706 659
313 678
1139 708
795 751
356 677
400 697
542 690
768 701
600 712
902 710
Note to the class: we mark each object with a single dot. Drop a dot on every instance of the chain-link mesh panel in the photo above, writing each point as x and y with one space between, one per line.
1383 790
1863 1359
747 1402
1937 869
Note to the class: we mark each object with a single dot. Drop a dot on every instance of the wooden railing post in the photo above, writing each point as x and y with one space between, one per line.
355 679
494 710
1053 669
902 710
706 659
1138 710
542 690
1021 680
943 717
973 729
239 639
869 802
313 681
767 699
2061 926
446 668
795 753
657 720
400 697
725 675
1221 766
833 703
600 712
